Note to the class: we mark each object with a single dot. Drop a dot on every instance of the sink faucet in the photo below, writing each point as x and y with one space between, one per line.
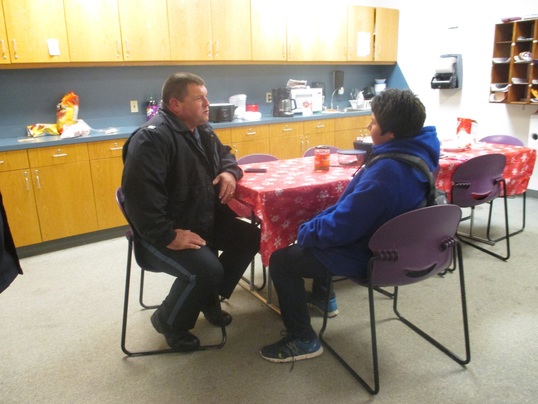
332 96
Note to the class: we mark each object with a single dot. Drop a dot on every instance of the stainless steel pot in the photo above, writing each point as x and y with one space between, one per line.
221 112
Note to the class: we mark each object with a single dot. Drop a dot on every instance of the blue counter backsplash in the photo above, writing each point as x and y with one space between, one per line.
29 96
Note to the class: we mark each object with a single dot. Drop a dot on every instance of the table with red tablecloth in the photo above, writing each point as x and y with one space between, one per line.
517 172
287 195
291 192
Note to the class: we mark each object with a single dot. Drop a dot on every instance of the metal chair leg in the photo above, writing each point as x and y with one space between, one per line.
523 220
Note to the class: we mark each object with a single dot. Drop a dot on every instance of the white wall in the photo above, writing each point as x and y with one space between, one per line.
425 35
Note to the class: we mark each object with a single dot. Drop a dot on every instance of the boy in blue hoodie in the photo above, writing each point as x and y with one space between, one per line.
335 242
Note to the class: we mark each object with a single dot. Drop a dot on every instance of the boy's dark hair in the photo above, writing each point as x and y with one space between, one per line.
175 86
400 112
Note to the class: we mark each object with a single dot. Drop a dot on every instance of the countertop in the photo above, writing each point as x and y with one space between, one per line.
122 132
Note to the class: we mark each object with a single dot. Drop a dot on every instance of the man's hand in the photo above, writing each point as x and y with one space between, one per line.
227 186
186 239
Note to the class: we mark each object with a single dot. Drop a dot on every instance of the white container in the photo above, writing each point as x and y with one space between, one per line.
240 101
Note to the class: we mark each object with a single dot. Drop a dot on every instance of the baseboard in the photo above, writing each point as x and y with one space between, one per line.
68 242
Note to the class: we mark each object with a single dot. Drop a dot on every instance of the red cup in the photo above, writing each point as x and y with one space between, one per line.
252 107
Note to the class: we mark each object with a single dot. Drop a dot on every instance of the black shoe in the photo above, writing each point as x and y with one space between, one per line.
178 340
215 317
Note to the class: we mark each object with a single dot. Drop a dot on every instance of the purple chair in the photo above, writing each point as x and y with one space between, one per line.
310 151
514 141
408 249
133 246
475 182
255 158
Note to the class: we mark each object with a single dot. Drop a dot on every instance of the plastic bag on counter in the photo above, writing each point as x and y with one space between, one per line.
42 129
80 128
67 111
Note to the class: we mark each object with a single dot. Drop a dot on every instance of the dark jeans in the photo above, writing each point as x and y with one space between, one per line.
288 267
200 273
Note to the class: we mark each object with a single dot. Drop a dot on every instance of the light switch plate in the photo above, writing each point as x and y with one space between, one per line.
134 106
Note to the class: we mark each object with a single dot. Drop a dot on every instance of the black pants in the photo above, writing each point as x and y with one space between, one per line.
200 273
288 267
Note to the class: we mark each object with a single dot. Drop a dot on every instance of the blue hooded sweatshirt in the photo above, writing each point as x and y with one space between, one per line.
339 235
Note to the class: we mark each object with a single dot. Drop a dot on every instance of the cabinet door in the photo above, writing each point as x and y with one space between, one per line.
144 30
106 167
94 32
192 17
36 31
386 34
360 30
287 140
64 198
18 196
268 30
4 47
332 31
303 30
230 24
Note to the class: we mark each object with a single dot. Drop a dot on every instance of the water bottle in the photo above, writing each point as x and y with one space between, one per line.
151 108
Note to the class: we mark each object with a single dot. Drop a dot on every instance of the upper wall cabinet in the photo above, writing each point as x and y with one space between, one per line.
36 31
212 30
386 34
268 30
360 34
144 30
94 31
4 49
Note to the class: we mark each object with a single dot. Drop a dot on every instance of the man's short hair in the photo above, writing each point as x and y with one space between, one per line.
175 86
400 112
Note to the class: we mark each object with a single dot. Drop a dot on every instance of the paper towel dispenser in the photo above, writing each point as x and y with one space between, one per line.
448 72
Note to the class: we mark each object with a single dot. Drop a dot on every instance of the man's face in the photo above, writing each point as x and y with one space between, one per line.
375 132
194 109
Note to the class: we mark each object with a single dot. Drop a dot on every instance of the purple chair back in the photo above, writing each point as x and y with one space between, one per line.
502 139
310 152
478 180
414 245
256 158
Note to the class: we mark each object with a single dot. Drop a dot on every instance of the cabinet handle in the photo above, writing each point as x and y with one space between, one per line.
307 143
59 154
1 161
284 50
27 182
251 132
290 50
15 55
320 126
236 151
36 172
127 51
209 48
116 148
350 52
118 48
217 49
3 49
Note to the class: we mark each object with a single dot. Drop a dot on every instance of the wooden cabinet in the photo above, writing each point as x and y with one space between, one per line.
348 129
18 195
144 30
268 30
106 169
93 29
386 34
360 34
319 132
250 139
287 140
36 31
4 48
217 30
513 71
63 190
224 135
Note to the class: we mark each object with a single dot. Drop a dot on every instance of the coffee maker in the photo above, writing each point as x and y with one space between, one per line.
283 104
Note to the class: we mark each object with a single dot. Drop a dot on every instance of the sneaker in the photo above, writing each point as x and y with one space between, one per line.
319 305
291 349
178 340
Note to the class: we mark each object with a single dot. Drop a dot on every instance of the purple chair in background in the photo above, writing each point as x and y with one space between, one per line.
408 249
475 182
514 141
310 152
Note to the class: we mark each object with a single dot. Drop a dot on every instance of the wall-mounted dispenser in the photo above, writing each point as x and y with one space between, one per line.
448 72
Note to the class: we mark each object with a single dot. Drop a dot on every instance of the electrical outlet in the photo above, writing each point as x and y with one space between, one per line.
134 106
268 98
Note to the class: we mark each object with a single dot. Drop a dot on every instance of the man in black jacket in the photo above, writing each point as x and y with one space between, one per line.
177 180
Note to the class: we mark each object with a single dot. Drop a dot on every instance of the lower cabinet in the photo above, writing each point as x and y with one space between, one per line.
249 139
106 168
18 198
63 191
346 130
287 140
